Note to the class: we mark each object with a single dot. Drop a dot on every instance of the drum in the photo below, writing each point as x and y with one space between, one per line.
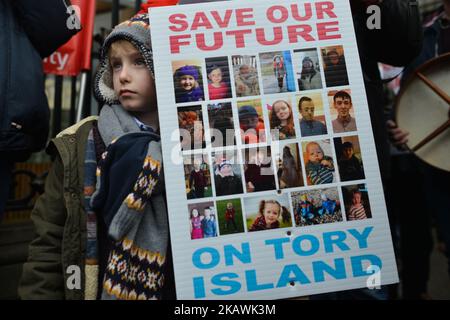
423 109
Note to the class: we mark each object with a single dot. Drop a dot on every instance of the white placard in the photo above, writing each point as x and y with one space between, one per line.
316 199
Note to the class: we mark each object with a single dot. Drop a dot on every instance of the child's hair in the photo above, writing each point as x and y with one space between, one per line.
343 95
263 203
285 215
274 121
347 145
214 67
120 45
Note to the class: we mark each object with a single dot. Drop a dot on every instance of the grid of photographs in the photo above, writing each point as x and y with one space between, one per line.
269 141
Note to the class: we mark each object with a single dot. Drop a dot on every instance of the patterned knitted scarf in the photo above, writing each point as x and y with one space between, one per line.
128 197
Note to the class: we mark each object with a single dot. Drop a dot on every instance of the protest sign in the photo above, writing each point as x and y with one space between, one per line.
271 173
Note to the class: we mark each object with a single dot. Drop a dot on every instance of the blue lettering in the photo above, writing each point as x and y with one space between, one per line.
361 237
199 287
230 252
357 265
197 261
297 247
278 246
285 277
335 238
320 267
252 283
221 280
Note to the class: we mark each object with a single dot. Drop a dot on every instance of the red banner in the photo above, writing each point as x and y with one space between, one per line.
75 55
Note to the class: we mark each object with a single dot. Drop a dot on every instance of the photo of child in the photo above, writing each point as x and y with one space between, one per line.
289 170
198 212
356 200
258 169
245 76
196 224
276 72
319 163
314 207
187 79
281 119
209 223
349 157
227 173
218 78
221 124
230 217
342 111
251 121
197 176
307 68
312 116
335 68
265 213
192 133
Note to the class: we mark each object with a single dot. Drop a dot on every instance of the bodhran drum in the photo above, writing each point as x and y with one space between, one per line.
423 109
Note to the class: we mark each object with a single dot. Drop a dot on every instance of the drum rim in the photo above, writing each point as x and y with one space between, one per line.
430 63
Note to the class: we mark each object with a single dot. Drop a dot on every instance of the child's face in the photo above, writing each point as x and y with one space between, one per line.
226 170
132 80
215 76
356 198
245 71
343 107
271 212
249 122
307 110
207 213
282 111
187 82
195 213
307 65
347 153
197 163
333 57
315 152
229 205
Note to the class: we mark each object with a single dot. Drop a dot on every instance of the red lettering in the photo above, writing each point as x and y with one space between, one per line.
324 29
271 14
226 19
178 19
296 15
201 44
176 43
277 38
301 30
244 14
325 7
201 21
239 36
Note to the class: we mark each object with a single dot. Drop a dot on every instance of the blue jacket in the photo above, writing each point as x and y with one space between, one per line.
31 30
209 228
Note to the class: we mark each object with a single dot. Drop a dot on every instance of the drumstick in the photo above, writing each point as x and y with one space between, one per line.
434 87
432 135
